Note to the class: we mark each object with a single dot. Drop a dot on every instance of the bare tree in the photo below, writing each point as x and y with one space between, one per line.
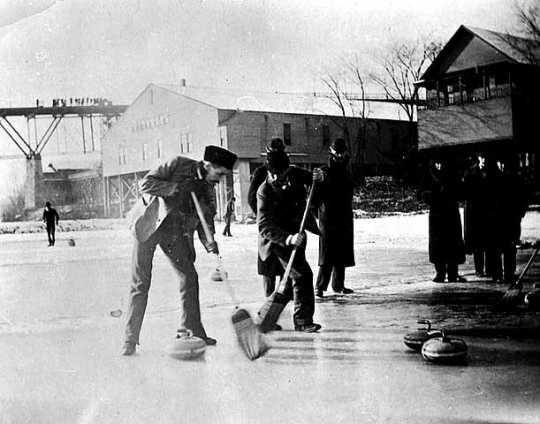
400 68
529 28
352 105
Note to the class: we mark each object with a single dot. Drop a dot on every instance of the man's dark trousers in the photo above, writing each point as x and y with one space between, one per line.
298 288
50 233
338 277
178 247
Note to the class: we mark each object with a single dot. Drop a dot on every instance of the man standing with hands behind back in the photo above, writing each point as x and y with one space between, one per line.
167 217
336 243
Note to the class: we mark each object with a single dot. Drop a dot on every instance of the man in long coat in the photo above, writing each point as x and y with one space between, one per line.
336 243
477 204
270 268
446 247
280 208
166 216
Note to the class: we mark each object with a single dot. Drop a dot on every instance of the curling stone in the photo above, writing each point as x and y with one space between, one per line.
71 242
416 339
186 346
444 350
532 299
218 274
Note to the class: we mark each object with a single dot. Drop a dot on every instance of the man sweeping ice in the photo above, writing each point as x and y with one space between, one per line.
281 215
166 216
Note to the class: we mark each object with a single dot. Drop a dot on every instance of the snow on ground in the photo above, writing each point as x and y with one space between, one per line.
59 343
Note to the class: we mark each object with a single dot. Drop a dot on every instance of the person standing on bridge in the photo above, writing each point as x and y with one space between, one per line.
50 218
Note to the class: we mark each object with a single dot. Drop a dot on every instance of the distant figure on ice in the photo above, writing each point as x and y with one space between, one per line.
446 248
270 268
336 243
280 208
50 218
228 217
166 216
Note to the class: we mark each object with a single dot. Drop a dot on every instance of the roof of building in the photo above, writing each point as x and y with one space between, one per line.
279 102
515 49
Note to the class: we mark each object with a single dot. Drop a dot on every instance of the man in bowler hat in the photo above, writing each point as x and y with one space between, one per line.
336 243
280 207
270 268
166 216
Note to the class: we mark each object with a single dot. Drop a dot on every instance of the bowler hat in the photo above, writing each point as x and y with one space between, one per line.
338 146
275 144
220 156
278 161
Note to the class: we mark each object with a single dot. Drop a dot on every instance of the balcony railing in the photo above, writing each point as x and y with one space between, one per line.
467 97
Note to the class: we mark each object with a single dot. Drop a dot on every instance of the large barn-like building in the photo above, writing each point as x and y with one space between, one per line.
165 121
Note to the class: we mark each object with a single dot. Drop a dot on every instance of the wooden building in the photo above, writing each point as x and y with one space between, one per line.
482 95
166 121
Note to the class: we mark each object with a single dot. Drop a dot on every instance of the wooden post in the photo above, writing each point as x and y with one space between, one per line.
121 194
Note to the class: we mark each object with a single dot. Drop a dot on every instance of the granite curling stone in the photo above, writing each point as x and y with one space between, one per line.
186 346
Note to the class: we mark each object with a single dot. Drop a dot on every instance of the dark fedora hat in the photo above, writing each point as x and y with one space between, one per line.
220 156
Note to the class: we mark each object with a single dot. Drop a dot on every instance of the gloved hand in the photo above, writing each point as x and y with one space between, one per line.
296 239
318 175
212 248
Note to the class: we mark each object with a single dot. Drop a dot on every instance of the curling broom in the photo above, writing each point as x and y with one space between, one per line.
513 294
249 337
272 310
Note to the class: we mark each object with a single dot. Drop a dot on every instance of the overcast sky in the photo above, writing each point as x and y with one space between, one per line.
114 48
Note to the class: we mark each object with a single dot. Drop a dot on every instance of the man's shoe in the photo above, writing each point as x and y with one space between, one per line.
345 290
128 349
276 327
457 279
319 293
308 328
209 341
438 279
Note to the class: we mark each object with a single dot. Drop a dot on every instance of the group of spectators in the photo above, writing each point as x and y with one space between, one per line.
496 200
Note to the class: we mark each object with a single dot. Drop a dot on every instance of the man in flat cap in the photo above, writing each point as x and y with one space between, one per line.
336 247
166 216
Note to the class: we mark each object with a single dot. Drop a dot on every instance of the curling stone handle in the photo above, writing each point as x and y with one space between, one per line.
425 322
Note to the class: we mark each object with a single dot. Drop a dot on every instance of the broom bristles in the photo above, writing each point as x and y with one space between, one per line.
249 337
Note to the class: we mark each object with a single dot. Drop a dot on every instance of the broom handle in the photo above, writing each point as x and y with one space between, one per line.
293 253
210 238
531 259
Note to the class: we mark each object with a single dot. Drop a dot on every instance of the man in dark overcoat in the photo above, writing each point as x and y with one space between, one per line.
336 243
280 208
270 269
475 225
166 216
514 202
446 247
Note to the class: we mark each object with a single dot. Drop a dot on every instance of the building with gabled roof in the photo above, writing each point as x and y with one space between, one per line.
482 95
165 121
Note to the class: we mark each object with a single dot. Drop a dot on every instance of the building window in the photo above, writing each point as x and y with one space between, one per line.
287 134
325 135
186 144
144 151
151 95
158 148
122 155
